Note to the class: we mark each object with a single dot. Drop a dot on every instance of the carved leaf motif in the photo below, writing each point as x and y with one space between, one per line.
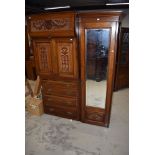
49 24
65 59
64 50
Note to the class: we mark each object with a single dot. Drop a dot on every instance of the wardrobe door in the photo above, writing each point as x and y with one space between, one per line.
97 46
65 53
43 57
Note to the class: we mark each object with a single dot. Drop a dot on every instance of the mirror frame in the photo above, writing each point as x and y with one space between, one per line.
97 63
95 115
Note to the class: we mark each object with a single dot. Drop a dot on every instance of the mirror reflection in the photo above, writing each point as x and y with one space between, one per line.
97 47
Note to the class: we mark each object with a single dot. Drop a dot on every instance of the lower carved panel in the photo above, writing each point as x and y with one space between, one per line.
95 117
95 114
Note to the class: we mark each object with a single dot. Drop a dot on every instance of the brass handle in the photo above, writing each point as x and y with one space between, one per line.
69 103
96 116
69 113
67 85
68 93
49 99
47 104
49 37
51 109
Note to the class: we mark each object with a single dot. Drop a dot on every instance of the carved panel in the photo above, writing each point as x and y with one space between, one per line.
95 116
44 57
65 57
50 24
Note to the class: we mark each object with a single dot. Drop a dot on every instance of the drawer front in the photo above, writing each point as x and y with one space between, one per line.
51 24
61 88
94 114
60 101
61 92
60 85
95 117
62 112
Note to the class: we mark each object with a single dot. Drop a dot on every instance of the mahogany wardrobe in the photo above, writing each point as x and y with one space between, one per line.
75 58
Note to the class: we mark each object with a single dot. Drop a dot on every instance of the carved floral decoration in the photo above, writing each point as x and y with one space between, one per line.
49 24
65 59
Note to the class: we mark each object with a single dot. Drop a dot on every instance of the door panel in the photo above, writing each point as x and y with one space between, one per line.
66 57
43 57
98 47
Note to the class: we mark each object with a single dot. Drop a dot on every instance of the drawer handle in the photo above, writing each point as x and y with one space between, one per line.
68 103
49 89
47 104
49 37
51 109
68 93
69 113
67 85
49 99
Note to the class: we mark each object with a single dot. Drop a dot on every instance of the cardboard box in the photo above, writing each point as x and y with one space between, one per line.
35 106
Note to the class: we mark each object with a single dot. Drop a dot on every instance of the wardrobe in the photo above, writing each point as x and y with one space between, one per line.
75 58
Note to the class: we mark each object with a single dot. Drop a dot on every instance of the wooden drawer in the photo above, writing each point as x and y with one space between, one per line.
95 114
62 112
60 85
95 117
59 88
52 24
60 101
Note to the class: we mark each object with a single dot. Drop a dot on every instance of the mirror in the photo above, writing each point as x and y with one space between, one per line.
97 47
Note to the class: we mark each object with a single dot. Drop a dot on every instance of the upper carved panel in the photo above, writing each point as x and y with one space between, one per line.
43 56
54 24
43 53
50 24
65 57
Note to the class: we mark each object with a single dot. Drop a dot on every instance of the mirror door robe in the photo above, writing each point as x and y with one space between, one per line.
97 45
